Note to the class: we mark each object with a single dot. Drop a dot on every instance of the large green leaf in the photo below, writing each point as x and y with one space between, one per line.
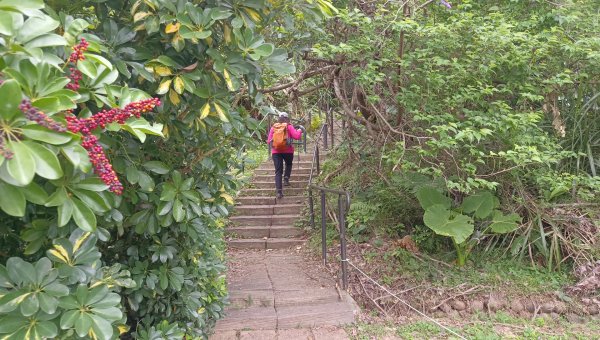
36 26
264 50
164 207
88 68
501 223
92 184
90 311
83 324
22 5
74 28
481 204
99 59
78 156
429 196
53 104
20 328
139 127
22 166
10 23
46 162
42 134
178 211
35 193
101 327
92 199
84 216
20 272
12 200
56 85
47 40
146 182
65 212
10 98
168 192
57 198
157 167
447 223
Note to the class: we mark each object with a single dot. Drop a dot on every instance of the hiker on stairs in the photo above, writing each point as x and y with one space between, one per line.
280 139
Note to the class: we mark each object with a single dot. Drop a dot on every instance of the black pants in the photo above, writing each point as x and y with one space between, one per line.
278 159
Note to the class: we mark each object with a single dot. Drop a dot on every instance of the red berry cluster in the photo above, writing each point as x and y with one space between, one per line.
85 126
102 166
39 117
4 151
78 51
105 117
75 77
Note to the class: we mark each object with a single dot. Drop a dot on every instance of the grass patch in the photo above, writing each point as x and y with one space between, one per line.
485 268
482 326
253 158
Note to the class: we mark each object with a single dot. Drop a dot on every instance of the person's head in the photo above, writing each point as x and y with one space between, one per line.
283 117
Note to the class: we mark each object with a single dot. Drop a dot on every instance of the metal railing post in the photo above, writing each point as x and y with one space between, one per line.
331 122
311 204
323 228
325 137
317 159
342 220
304 140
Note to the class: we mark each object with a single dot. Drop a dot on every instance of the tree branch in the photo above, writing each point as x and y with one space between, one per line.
304 75
346 107
310 90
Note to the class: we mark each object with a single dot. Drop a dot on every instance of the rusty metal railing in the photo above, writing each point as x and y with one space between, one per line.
343 202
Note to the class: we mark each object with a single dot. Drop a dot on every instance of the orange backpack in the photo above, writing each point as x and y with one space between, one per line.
280 136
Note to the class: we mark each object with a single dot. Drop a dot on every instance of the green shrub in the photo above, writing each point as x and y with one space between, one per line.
477 215
137 248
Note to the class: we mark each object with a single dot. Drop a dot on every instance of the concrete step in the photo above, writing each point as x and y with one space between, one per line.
314 315
269 184
287 191
271 171
260 232
265 200
271 177
306 296
269 243
268 209
253 232
285 231
264 220
248 318
291 297
250 299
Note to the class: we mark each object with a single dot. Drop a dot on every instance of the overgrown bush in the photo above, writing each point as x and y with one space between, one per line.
136 248
49 202
498 97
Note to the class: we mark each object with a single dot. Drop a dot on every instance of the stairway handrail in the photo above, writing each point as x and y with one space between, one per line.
343 207
316 152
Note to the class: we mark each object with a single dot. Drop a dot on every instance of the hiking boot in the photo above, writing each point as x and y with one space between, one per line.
279 195
286 182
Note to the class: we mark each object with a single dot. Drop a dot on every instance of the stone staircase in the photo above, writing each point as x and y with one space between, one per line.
277 290
262 222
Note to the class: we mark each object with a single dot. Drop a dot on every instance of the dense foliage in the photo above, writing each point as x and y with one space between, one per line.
106 229
485 96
